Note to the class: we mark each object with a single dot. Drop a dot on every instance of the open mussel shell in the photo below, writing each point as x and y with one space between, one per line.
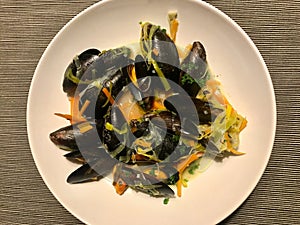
97 99
118 137
159 50
113 81
142 182
111 78
194 70
163 129
77 68
183 105
144 73
109 60
167 146
195 64
165 119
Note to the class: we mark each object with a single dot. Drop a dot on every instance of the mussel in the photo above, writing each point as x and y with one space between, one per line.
92 71
200 111
116 135
95 167
194 70
102 92
77 68
148 148
125 177
107 75
160 54
79 135
163 130
75 156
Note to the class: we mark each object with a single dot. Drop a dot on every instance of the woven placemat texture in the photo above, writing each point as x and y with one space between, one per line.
27 27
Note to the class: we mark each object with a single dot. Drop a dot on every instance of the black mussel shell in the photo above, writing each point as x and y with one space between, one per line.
85 59
201 114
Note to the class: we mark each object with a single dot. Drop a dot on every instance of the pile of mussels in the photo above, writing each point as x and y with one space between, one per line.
144 119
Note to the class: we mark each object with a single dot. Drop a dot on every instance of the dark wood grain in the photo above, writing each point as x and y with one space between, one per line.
27 27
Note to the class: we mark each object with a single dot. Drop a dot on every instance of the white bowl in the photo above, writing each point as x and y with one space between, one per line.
213 195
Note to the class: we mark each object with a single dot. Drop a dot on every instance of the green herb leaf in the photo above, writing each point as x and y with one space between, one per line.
192 168
166 201
186 78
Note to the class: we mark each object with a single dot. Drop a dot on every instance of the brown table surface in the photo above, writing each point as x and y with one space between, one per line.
27 27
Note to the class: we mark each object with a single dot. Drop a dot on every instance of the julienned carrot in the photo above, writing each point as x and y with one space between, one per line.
158 105
220 97
174 29
75 107
75 115
142 143
129 108
120 186
66 116
108 95
132 75
75 112
181 167
185 163
243 124
183 53
84 107
179 185
229 146
173 23
213 84
84 127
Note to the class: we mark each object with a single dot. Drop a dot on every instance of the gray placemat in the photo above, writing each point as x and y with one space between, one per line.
27 27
